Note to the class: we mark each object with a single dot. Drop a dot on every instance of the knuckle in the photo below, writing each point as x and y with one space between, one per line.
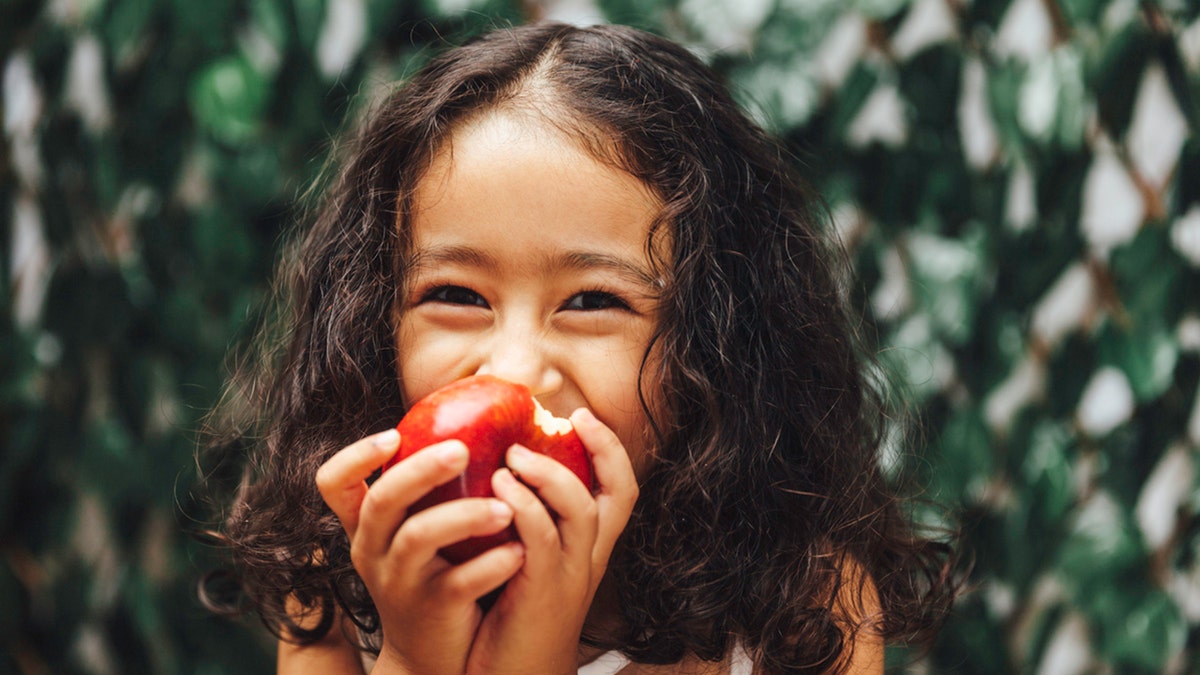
591 512
547 537
371 503
412 534
455 586
323 479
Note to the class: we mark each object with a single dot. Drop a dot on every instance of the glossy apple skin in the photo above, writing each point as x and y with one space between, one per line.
488 415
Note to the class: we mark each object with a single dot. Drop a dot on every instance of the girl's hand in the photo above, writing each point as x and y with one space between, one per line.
536 622
426 605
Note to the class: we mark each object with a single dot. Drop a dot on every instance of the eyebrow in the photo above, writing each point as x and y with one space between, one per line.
467 256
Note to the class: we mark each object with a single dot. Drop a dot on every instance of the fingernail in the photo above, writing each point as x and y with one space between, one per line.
506 477
501 510
387 440
452 453
518 458
583 415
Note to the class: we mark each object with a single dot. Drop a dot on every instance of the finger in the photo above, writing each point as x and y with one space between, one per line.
422 534
618 488
533 522
388 500
563 493
482 574
342 480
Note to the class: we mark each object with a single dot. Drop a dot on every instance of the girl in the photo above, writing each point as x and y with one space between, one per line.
587 212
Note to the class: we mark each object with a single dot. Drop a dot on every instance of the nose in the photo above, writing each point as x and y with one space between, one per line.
523 357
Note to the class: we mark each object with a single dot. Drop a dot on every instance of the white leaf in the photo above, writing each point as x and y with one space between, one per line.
727 26
1184 587
574 12
30 262
1118 14
928 22
1112 209
1026 31
1189 46
840 50
1024 384
788 90
1168 486
1185 235
1038 104
259 49
86 90
1065 306
1107 402
1193 427
73 12
1188 333
882 119
1020 208
1069 650
451 7
892 296
1158 128
975 125
22 96
342 36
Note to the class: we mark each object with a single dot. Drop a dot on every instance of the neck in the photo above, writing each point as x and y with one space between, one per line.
603 621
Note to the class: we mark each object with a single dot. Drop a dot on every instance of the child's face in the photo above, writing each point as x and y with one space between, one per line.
531 265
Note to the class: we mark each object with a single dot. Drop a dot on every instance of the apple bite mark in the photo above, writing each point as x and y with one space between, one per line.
489 415
550 425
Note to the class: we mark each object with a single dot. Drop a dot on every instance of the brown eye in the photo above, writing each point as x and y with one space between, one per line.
589 301
455 295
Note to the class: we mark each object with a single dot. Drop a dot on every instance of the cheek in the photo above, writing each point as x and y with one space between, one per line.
637 432
421 363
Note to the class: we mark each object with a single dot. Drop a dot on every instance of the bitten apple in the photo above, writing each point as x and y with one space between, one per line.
488 415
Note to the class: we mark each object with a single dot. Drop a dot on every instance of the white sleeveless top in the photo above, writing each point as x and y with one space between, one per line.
611 663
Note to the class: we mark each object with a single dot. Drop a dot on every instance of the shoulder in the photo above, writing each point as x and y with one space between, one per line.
857 607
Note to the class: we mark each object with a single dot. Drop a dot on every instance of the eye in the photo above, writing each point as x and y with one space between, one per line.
455 295
590 301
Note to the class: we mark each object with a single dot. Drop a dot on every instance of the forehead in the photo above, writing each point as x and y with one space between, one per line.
505 172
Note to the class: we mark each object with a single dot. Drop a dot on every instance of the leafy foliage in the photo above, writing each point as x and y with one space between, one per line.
1017 181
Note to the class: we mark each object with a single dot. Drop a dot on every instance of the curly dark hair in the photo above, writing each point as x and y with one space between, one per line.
767 477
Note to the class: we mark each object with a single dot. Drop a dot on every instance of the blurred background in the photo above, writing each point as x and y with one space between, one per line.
1018 182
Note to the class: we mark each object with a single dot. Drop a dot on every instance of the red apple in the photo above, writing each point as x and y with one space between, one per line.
489 415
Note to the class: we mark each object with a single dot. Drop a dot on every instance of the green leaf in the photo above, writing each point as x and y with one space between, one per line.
917 359
1047 469
781 95
228 99
310 15
1117 75
124 27
1149 276
946 277
1083 12
644 14
965 458
205 25
1142 627
1147 353
880 10
271 19
1053 99
854 93
1103 547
